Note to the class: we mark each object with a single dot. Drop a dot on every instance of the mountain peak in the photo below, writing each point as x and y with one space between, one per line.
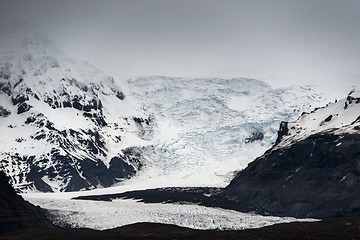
60 130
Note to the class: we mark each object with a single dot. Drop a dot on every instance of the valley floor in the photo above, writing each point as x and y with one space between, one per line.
332 229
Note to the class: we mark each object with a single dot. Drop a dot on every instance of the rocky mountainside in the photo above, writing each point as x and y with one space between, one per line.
65 125
312 171
15 212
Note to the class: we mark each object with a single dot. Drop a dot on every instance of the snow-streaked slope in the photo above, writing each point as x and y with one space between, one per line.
339 117
105 215
65 125
207 129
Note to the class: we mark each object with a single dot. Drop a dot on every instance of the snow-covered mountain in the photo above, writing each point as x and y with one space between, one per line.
340 117
65 125
312 171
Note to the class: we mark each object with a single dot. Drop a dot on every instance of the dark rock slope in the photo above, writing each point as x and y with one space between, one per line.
317 177
15 212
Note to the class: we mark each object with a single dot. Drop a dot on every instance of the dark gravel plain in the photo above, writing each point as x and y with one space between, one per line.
329 229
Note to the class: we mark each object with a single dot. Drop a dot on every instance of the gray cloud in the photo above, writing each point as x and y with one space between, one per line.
281 41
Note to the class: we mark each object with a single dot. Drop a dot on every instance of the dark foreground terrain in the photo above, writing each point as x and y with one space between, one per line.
21 220
331 229
317 177
15 212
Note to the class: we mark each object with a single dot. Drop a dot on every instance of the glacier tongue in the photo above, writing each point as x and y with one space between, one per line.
207 129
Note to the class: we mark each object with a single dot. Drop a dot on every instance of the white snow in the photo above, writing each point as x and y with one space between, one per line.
344 177
338 117
240 103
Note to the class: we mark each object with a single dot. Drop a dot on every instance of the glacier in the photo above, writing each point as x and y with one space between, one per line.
208 129
106 215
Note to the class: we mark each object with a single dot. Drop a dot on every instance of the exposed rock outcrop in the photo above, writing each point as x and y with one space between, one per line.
316 177
16 213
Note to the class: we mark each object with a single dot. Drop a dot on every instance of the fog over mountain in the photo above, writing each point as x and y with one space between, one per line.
280 42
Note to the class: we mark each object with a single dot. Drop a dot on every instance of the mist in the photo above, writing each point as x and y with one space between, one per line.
282 42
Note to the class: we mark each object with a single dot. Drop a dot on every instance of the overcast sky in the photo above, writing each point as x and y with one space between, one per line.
280 41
